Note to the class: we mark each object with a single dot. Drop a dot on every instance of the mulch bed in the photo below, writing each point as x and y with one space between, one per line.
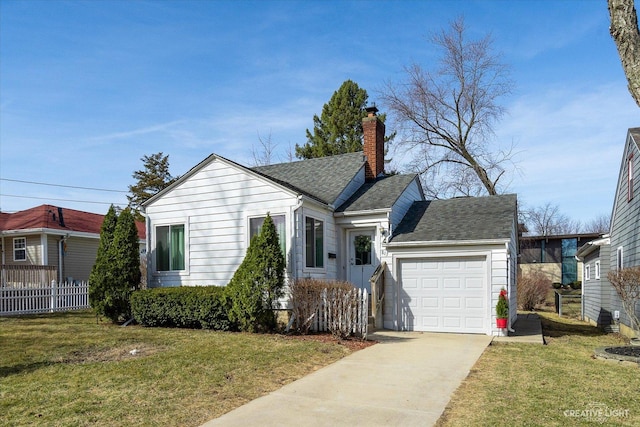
630 351
353 344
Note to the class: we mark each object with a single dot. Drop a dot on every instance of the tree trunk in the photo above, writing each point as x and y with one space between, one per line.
625 33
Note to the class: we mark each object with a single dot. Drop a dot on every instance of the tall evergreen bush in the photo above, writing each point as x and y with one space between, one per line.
116 273
256 286
99 279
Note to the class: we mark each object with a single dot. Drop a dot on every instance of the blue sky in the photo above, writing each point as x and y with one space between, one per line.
89 87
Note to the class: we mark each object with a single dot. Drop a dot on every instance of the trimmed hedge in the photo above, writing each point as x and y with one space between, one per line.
184 307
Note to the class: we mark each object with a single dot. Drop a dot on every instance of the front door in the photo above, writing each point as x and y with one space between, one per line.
362 257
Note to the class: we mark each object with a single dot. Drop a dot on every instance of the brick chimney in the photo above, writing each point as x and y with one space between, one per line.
373 130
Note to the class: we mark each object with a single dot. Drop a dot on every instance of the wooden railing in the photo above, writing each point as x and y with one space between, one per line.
27 275
377 295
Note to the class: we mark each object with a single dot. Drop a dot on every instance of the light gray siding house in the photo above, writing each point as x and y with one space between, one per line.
597 292
339 218
625 219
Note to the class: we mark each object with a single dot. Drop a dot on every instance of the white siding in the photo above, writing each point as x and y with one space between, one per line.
214 204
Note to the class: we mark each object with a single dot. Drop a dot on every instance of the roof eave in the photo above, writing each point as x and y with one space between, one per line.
449 243
51 231
363 212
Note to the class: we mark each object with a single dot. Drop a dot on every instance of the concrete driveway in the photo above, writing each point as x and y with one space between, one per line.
406 379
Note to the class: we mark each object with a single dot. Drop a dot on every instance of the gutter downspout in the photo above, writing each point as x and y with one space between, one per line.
509 272
294 238
581 260
60 257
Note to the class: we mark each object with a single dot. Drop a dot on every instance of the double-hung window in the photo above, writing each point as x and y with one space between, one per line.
20 249
587 272
597 268
314 242
255 225
170 249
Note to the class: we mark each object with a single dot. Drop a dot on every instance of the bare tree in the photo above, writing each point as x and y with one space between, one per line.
625 33
446 115
626 282
263 155
547 220
599 224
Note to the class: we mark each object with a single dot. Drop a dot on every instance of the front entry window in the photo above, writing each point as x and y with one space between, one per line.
362 245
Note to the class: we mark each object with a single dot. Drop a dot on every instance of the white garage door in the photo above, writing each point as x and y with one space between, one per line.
444 295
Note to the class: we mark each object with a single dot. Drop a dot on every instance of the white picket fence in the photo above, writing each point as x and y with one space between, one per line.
31 299
346 312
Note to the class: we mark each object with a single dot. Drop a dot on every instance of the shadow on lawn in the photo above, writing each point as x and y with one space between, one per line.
6 371
555 327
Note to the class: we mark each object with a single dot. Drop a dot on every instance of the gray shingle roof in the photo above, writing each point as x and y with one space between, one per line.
468 218
323 178
379 194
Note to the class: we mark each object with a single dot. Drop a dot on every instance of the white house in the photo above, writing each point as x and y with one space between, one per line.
339 218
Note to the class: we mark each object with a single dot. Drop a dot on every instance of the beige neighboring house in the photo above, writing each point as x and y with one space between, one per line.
49 235
555 256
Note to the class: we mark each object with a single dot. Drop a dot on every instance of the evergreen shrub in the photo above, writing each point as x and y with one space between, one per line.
200 307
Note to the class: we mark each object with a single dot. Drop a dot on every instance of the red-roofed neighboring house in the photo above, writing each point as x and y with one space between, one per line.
49 235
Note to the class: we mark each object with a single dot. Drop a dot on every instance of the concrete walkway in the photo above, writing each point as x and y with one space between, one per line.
406 379
528 329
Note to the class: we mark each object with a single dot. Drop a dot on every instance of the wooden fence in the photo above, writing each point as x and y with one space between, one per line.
343 313
32 298
27 275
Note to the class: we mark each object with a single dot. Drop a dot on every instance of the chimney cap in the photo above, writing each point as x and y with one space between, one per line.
371 111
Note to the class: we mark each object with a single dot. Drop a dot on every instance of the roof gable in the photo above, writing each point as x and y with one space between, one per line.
632 143
323 178
379 194
460 219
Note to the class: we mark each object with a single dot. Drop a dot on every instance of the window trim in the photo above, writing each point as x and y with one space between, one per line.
587 272
23 249
597 269
272 215
154 256
324 246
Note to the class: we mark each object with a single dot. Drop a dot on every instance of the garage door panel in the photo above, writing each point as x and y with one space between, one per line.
451 302
429 283
474 283
452 283
410 283
430 303
452 295
471 303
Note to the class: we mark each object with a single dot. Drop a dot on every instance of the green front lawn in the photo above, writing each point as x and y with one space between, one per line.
67 369
552 385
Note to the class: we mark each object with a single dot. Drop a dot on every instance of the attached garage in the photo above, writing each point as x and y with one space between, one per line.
448 261
444 294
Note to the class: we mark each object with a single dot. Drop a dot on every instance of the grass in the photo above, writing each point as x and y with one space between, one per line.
551 385
67 369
